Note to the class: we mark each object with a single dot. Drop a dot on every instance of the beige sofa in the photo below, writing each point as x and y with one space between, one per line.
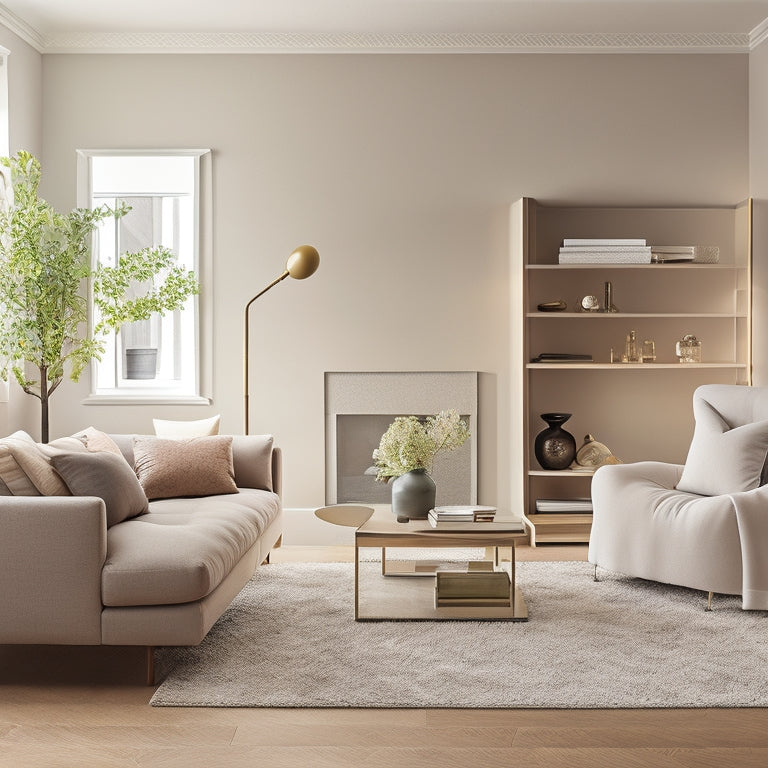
159 578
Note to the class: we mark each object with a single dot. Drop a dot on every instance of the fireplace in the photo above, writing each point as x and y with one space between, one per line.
359 406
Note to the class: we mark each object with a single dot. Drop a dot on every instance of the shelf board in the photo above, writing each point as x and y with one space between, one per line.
560 473
679 265
645 315
632 366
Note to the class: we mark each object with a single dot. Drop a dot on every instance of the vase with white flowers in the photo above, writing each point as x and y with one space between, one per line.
406 455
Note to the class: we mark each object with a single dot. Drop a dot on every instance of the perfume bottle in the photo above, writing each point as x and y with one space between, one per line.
630 349
688 349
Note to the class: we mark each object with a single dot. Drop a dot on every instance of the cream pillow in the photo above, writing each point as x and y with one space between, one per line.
96 440
30 462
183 429
169 468
723 460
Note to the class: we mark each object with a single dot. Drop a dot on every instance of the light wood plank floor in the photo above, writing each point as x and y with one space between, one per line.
85 707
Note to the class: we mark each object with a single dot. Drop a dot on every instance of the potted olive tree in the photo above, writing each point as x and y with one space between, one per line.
45 272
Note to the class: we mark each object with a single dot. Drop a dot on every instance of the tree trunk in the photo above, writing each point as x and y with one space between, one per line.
44 404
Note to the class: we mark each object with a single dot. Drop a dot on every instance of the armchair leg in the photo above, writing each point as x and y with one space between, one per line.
594 576
709 601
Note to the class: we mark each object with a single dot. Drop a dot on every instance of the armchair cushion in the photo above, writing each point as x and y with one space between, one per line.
722 459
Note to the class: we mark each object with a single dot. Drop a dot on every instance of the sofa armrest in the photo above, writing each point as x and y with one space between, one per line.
52 551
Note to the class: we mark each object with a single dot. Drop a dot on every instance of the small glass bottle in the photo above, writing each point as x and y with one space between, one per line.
630 348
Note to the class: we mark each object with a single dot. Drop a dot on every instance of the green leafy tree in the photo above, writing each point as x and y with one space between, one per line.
44 273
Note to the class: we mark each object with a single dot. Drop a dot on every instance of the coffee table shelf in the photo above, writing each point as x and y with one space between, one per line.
409 596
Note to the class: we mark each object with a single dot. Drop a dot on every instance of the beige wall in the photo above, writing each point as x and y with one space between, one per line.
25 114
758 189
401 170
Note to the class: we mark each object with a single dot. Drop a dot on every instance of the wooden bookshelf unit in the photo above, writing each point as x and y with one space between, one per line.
641 411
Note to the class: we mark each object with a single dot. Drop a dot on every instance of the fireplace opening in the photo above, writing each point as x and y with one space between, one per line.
360 406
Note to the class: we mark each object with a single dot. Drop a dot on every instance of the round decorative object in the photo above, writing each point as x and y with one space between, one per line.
590 304
413 495
594 454
555 448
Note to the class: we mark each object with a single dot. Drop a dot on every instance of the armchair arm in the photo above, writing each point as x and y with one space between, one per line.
52 550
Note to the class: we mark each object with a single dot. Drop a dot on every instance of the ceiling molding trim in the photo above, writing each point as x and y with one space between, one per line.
364 42
758 35
20 27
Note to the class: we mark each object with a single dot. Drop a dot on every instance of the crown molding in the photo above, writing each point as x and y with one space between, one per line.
371 42
758 35
20 27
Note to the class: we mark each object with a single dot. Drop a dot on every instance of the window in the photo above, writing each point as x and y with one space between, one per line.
162 358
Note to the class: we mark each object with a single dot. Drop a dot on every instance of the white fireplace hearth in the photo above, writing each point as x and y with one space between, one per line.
359 406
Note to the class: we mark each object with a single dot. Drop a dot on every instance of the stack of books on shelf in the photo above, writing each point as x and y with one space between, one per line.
605 251
581 506
701 254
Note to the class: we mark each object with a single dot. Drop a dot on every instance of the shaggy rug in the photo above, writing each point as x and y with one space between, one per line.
290 640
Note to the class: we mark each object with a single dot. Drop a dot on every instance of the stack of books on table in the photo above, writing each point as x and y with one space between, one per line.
470 519
582 506
605 251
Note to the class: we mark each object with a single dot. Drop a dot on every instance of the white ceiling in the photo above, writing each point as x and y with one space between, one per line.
53 25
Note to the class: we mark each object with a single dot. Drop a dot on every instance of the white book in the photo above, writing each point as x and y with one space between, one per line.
614 257
604 248
604 241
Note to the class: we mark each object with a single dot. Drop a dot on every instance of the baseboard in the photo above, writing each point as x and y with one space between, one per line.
302 529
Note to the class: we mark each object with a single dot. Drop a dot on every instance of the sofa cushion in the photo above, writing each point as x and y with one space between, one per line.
200 466
26 470
183 548
107 476
723 460
185 429
96 440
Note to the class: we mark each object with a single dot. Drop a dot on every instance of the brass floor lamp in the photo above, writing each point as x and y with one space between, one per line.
302 263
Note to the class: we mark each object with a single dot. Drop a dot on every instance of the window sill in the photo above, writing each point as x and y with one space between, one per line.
148 398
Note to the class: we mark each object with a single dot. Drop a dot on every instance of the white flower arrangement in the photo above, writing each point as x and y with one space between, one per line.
410 443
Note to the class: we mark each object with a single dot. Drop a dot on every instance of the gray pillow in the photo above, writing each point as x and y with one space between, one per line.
723 460
107 476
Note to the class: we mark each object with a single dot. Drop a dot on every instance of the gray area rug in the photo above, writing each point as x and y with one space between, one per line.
290 640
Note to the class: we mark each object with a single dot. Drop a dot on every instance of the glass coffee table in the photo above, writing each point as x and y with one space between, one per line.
405 590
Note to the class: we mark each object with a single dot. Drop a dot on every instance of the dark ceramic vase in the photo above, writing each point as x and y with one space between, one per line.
413 495
555 448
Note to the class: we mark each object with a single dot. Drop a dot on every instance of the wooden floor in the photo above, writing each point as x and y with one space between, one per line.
85 707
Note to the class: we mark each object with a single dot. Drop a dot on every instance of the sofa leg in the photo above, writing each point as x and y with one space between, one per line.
594 575
150 665
709 601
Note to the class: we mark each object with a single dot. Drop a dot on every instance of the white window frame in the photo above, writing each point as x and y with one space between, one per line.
146 394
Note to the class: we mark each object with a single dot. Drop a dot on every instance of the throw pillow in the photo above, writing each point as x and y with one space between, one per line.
197 428
200 466
102 474
13 476
96 440
723 460
33 463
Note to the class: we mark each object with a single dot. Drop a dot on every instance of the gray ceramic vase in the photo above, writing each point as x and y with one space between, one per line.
413 495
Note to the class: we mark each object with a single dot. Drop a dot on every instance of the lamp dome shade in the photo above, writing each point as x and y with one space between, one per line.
303 262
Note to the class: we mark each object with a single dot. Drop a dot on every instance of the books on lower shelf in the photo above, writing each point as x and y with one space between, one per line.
605 251
580 505
472 587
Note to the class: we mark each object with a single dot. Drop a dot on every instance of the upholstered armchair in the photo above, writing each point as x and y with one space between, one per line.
703 525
